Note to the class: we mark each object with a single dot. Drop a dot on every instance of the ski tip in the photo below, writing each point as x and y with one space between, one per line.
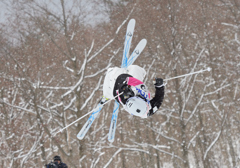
80 138
111 140
132 20
144 41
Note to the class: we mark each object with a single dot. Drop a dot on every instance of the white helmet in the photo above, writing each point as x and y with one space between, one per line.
137 106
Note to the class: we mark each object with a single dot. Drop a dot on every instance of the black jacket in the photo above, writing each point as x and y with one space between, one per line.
155 102
56 165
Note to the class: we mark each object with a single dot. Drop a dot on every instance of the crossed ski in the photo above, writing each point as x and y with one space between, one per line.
125 63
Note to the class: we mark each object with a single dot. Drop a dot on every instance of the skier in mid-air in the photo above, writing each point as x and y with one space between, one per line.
126 84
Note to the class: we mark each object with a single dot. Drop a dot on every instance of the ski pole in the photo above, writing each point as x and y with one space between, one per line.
180 76
86 114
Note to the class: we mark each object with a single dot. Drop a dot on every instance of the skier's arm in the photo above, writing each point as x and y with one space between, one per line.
127 92
156 102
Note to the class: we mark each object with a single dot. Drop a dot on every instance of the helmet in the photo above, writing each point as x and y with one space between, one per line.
57 158
137 106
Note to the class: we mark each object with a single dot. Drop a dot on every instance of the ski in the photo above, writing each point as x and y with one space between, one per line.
127 43
87 125
137 51
113 124
90 120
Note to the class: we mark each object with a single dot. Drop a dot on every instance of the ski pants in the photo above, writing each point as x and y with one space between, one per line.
113 73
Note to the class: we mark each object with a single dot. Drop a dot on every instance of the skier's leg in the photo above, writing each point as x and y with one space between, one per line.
107 84
109 81
137 72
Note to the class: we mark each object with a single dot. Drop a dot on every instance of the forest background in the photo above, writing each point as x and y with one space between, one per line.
53 59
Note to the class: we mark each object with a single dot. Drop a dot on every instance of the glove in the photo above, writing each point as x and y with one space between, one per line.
158 82
127 91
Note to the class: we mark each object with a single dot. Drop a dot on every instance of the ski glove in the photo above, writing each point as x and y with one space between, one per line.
127 91
158 82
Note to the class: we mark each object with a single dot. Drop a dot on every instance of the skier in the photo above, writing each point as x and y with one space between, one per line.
57 163
126 84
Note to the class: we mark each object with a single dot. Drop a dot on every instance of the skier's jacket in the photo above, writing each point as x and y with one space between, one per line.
138 88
